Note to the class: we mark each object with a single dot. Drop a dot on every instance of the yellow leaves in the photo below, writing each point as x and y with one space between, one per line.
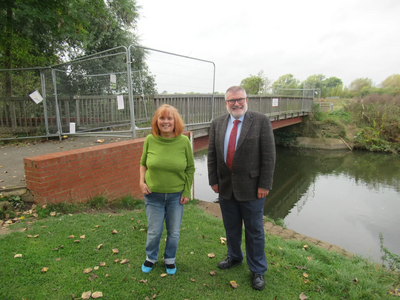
82 237
124 261
233 284
212 273
114 232
303 296
17 255
99 246
103 264
355 280
45 269
305 247
211 255
394 292
164 275
305 275
115 251
88 270
53 214
86 295
71 236
280 248
96 295
223 240
192 280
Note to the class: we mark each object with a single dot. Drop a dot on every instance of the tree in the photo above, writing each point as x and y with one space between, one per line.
285 82
360 84
256 84
393 81
42 33
333 82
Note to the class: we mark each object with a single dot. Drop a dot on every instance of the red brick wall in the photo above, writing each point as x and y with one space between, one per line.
77 175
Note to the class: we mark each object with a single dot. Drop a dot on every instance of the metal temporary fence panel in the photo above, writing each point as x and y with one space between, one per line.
91 93
25 110
182 81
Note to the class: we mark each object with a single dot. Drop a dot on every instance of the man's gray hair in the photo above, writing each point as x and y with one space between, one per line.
234 89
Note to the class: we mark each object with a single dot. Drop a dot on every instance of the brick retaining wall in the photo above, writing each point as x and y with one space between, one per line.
77 175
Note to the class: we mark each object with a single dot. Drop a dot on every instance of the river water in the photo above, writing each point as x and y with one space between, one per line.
341 197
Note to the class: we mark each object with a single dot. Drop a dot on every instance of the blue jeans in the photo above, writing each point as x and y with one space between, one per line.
160 207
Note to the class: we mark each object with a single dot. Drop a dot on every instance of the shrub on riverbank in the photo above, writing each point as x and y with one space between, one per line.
70 254
378 117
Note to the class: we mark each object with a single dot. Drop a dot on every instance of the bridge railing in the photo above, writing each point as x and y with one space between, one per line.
21 116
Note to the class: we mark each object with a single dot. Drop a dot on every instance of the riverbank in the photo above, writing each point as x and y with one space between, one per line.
68 267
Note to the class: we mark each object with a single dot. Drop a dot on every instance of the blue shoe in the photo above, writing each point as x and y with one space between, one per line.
170 271
146 269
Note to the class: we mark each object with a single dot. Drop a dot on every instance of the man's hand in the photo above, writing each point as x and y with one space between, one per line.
215 188
261 193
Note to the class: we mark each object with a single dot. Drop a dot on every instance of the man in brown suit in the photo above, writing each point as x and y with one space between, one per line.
244 182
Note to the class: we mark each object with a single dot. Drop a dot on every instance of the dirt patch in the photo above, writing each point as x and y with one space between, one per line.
211 208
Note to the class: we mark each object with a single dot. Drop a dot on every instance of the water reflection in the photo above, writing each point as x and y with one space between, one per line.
344 198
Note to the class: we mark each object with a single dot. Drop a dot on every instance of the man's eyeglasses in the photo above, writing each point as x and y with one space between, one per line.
240 101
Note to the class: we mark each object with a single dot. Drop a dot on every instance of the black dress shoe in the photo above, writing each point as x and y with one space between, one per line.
258 282
228 263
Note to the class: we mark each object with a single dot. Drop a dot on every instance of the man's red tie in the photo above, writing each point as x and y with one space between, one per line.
232 144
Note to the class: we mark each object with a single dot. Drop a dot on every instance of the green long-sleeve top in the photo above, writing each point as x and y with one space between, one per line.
169 163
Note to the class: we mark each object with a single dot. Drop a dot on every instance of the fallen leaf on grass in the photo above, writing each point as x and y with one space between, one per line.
114 232
86 295
163 275
71 236
305 247
303 296
212 273
143 280
280 248
96 268
395 292
116 260
124 261
82 237
305 275
192 280
306 281
29 236
99 246
96 295
102 264
88 270
17 255
211 255
97 226
223 240
115 251
55 249
44 270
53 213
35 236
58 259
77 241
233 284
355 280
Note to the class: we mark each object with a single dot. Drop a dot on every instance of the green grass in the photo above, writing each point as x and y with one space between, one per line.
330 276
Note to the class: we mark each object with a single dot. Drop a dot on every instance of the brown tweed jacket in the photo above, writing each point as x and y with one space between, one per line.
254 160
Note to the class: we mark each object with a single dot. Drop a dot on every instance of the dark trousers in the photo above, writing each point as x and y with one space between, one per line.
234 213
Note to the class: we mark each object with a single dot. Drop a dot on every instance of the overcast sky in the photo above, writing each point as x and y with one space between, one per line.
347 39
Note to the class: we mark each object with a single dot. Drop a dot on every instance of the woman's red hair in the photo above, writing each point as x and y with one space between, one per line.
165 110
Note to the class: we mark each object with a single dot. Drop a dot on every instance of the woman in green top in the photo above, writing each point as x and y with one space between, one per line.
166 177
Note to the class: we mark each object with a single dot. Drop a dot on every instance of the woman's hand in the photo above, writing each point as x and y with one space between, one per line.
144 188
184 200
